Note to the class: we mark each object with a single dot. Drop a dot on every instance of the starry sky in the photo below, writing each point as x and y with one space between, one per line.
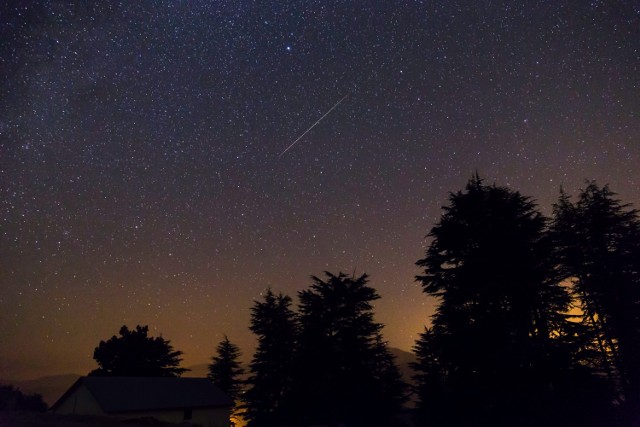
144 178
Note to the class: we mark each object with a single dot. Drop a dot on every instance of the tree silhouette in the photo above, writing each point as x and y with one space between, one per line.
12 399
134 353
431 380
496 345
598 249
345 373
274 324
225 370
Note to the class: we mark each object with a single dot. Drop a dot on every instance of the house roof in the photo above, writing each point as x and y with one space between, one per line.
126 394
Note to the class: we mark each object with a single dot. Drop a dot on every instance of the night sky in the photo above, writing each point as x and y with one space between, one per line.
142 165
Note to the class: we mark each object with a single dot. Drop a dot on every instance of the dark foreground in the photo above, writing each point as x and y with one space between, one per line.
34 419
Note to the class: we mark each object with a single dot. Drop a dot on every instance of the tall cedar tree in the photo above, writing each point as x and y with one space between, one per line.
135 354
493 347
225 370
345 372
274 324
598 247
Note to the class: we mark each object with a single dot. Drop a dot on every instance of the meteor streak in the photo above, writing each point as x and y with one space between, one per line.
313 125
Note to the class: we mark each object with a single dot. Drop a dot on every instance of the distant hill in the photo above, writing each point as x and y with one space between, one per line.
53 386
403 360
50 387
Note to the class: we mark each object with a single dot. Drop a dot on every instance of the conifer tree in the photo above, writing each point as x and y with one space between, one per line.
344 366
269 395
225 370
493 346
597 241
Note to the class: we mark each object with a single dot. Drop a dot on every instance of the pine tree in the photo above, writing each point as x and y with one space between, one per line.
269 395
344 366
225 370
493 346
430 380
598 249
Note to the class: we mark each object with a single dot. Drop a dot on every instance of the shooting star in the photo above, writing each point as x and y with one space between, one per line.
312 126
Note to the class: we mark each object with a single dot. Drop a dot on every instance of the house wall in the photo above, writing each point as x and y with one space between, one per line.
81 401
205 417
